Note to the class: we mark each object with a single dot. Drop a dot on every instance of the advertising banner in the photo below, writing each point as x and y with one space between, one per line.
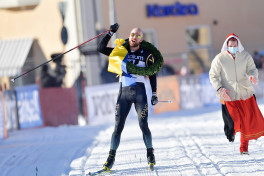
208 93
29 112
101 102
11 118
190 90
168 89
2 128
259 88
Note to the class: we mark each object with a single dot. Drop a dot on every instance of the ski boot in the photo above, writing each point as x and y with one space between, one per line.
151 158
244 153
110 160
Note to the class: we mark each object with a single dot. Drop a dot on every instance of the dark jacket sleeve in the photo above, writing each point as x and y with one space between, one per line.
153 82
152 78
102 46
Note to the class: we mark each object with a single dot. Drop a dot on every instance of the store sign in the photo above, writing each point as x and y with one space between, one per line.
176 9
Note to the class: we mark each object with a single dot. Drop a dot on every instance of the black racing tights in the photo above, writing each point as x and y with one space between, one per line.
128 95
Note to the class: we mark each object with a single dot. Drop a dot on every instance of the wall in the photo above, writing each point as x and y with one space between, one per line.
45 23
59 106
242 17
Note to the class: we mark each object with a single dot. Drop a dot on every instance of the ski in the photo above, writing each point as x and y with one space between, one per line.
102 171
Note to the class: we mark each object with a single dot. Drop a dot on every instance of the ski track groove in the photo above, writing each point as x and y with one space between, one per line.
256 161
18 158
133 158
178 150
199 146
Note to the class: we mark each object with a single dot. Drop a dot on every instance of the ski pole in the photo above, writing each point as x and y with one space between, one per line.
58 56
165 101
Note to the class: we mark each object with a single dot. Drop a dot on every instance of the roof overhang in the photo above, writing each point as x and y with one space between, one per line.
13 54
13 4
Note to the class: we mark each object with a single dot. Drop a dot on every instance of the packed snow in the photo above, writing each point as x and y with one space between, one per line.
186 143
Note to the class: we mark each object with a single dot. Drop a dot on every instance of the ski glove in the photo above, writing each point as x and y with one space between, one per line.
253 80
154 99
223 94
114 27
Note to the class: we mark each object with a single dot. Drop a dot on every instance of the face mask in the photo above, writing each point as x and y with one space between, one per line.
232 50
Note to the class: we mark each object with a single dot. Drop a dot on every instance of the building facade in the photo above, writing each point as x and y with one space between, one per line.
188 33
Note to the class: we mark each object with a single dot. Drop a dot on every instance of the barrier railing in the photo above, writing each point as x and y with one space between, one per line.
185 92
27 106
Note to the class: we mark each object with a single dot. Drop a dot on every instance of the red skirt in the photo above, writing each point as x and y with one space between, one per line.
247 118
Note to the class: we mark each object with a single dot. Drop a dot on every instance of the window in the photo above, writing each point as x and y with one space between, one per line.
150 36
199 44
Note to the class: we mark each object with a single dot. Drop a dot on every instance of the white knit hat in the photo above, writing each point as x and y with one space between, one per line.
239 46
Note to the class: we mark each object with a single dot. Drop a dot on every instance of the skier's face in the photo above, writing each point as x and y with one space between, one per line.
136 36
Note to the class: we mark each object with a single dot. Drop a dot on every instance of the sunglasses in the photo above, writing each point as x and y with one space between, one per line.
137 35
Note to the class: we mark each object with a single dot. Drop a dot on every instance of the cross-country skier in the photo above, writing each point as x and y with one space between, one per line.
240 111
132 94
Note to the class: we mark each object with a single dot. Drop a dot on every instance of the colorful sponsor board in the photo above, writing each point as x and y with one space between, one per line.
11 118
168 89
29 112
101 102
2 127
